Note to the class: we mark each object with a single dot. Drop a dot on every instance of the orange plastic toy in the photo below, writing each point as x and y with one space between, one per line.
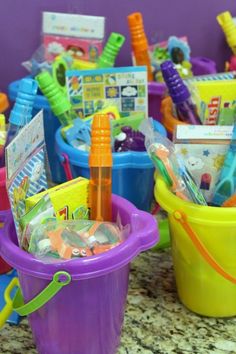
4 103
168 119
100 162
139 42
231 202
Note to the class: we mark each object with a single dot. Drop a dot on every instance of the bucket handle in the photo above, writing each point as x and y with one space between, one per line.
8 308
60 279
66 165
182 219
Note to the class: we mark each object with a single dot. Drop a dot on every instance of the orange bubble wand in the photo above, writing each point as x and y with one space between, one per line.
139 42
100 162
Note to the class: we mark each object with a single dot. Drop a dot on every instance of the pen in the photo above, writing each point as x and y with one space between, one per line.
139 42
100 162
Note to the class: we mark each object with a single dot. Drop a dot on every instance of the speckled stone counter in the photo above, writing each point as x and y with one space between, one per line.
155 321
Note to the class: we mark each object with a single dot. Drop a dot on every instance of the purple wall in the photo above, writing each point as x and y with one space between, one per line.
20 22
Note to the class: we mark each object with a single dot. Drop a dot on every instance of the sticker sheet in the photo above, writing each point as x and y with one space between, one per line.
90 91
25 164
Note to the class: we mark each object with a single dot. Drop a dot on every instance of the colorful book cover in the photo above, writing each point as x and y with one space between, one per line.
90 91
217 101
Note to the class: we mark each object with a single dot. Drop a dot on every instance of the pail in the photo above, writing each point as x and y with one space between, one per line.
4 216
203 242
86 315
5 213
132 172
168 119
203 66
156 91
4 201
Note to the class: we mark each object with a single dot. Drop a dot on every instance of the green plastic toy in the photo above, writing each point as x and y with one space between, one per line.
111 50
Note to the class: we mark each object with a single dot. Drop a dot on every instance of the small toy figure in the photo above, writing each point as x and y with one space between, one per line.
178 49
205 181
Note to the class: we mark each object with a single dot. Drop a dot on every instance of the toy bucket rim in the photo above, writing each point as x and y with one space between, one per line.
198 214
168 120
129 159
88 267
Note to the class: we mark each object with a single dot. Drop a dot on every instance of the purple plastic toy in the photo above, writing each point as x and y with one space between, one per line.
156 90
129 140
180 94
85 316
203 66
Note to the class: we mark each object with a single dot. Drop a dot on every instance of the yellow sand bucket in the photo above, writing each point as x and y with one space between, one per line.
203 242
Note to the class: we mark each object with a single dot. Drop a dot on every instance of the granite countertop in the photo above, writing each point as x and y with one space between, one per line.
155 321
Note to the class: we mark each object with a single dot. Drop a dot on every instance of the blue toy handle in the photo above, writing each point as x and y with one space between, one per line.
226 186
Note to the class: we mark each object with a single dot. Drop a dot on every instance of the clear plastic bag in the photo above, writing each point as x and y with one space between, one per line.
37 63
162 152
74 239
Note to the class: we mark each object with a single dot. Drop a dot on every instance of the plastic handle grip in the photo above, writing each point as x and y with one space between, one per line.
182 219
42 298
8 308
148 229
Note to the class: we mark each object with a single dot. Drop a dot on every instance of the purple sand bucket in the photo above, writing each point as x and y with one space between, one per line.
4 216
86 315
